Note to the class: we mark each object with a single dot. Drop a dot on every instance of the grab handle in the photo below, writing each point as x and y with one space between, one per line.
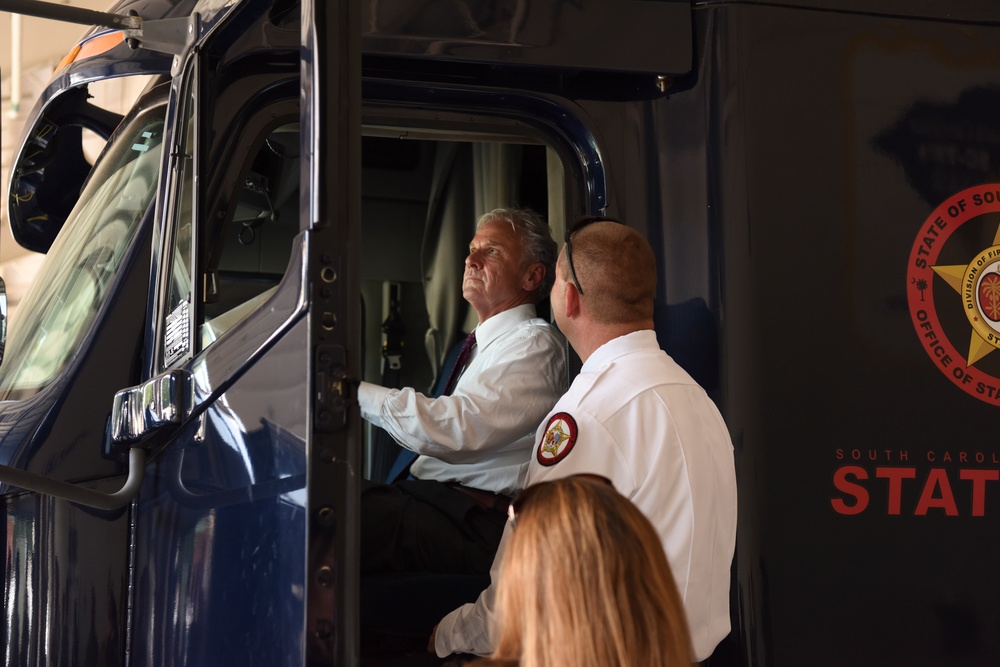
79 494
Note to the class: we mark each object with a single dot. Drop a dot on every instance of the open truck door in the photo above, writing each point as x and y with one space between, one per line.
193 324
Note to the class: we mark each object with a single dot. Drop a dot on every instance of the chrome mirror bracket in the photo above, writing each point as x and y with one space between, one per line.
140 411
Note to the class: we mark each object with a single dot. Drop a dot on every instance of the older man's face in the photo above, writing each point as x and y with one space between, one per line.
494 278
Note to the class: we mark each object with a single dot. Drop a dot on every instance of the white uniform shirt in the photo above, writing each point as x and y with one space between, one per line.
481 435
636 417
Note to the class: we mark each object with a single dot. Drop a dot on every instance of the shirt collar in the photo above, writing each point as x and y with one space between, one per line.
491 329
618 347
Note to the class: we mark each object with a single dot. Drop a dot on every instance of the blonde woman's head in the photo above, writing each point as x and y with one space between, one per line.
585 582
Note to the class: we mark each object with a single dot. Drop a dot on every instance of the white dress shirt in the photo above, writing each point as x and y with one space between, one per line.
639 419
483 433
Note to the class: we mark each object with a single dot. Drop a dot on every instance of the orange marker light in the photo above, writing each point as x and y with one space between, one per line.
94 46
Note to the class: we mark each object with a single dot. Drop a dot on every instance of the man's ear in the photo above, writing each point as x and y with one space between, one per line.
533 277
571 301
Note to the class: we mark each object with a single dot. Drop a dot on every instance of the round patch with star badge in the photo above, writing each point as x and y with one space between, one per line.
559 438
953 290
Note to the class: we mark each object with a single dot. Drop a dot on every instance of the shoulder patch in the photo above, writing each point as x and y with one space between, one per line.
558 441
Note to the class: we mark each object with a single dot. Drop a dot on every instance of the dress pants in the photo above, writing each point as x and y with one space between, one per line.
426 526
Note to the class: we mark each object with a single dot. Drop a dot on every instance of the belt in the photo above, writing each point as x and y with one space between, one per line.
491 501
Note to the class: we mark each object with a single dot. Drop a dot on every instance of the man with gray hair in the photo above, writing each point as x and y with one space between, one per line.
474 442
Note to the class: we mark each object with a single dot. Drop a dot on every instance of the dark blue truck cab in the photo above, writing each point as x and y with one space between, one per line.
180 450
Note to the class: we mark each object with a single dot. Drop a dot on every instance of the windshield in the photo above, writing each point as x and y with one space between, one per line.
68 291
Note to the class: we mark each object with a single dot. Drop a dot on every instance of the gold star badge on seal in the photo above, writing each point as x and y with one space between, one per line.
558 440
978 284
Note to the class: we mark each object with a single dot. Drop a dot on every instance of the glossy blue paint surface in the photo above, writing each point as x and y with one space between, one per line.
64 572
220 540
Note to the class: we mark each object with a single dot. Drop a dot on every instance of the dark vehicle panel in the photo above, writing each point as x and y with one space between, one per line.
867 479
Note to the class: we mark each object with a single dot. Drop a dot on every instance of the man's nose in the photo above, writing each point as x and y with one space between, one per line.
473 259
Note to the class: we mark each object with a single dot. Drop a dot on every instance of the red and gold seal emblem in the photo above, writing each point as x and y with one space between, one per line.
958 251
558 440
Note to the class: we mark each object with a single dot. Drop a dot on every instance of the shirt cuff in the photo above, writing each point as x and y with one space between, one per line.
444 637
370 399
464 631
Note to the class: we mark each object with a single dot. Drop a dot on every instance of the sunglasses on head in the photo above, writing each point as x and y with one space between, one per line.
518 502
577 226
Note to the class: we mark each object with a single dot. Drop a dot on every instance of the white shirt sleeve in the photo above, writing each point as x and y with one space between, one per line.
471 628
502 396
370 396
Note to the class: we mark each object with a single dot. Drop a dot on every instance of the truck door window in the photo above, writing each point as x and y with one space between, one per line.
225 266
80 267
251 252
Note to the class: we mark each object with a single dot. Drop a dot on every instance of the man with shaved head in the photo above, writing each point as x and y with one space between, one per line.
636 417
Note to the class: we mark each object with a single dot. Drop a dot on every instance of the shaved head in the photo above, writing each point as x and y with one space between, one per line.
617 271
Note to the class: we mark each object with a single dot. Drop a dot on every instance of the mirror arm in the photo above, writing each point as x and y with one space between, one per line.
79 494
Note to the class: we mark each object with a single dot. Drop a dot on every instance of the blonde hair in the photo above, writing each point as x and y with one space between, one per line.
617 271
585 582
